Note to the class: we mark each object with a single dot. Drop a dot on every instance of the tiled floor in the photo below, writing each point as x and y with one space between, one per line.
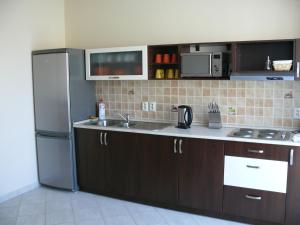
45 206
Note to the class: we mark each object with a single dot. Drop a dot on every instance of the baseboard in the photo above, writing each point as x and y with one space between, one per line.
18 192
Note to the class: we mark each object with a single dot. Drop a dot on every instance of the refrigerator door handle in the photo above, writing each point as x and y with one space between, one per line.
53 136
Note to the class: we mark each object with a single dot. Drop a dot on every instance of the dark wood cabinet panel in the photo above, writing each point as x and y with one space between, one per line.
121 163
146 168
158 169
297 63
254 204
254 150
201 167
293 190
90 160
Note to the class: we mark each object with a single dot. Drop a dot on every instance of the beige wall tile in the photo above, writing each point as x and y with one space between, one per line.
257 103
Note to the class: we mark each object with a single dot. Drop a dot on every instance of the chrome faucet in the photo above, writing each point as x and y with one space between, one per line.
125 117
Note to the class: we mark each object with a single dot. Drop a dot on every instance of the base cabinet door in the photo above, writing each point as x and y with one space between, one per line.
158 169
121 163
90 157
201 164
293 188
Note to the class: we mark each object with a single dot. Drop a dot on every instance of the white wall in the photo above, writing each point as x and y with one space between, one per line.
24 26
102 23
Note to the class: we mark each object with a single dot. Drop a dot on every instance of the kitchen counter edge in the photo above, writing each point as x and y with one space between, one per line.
196 131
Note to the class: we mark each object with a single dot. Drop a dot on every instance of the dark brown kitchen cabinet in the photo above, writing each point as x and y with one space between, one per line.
121 162
297 63
201 166
184 171
158 169
293 188
106 162
90 158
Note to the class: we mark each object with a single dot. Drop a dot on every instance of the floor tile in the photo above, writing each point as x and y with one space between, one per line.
31 209
112 208
91 222
87 214
59 196
59 218
31 220
58 206
148 218
135 208
11 203
119 220
45 206
9 212
34 197
8 221
83 202
177 218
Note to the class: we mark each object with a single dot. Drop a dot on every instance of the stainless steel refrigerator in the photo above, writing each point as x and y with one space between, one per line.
61 96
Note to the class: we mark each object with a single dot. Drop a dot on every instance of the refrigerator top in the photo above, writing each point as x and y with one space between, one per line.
56 50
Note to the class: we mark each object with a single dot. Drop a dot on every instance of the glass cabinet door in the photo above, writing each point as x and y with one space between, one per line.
117 63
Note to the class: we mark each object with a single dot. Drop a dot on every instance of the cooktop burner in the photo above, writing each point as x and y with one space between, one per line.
261 134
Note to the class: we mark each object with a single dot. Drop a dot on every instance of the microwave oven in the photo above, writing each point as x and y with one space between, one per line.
204 64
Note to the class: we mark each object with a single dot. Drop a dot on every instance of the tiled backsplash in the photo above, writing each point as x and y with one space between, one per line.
256 103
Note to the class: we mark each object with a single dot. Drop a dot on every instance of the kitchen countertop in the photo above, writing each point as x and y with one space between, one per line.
196 131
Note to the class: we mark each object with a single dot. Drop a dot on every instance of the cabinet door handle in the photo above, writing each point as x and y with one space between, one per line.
174 147
180 148
298 70
101 138
105 139
258 151
253 167
291 157
253 197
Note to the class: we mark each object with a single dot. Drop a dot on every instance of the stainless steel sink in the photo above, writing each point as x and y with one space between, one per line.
150 125
132 124
103 123
124 124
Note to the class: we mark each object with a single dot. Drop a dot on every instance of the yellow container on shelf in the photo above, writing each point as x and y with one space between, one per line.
159 74
176 73
170 73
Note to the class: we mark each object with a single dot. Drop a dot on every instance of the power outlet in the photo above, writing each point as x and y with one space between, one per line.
145 106
297 113
152 106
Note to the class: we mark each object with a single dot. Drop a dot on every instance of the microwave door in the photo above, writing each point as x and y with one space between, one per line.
196 64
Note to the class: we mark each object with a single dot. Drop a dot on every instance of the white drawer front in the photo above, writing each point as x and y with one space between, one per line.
261 174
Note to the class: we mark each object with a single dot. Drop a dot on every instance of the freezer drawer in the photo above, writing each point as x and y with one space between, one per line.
51 92
55 161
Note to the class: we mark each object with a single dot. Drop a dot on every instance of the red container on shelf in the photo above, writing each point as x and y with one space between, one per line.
166 58
173 58
158 58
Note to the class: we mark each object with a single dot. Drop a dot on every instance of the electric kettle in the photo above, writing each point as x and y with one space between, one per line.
185 116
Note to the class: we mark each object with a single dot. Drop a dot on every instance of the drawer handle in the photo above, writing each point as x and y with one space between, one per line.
258 151
253 197
253 167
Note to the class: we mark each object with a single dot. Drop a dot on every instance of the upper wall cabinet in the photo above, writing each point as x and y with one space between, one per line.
264 60
124 63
